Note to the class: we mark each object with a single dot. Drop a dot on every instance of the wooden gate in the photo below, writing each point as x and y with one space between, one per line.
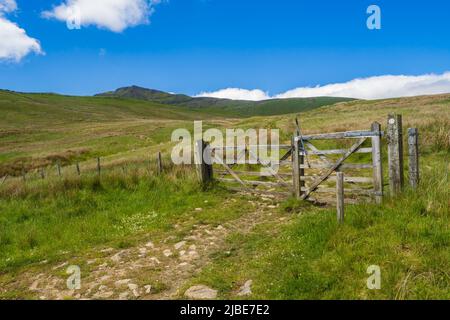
307 168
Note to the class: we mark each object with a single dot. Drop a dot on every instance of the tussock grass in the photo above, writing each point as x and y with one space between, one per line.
53 218
315 258
311 258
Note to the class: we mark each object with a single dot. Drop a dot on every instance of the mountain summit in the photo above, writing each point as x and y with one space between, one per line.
244 108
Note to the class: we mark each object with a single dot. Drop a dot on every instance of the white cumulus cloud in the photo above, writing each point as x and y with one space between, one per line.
237 94
14 41
379 87
114 15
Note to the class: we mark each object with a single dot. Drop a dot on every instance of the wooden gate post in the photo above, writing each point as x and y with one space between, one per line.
298 172
340 197
203 162
413 151
395 153
377 164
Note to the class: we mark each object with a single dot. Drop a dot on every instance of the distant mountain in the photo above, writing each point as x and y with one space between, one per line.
224 106
135 92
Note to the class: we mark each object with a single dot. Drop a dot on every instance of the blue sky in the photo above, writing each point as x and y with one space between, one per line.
193 46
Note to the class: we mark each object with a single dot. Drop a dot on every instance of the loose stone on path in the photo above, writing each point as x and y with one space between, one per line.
246 289
201 292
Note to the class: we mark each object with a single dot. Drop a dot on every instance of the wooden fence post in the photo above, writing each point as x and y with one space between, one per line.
42 173
297 162
340 196
413 151
58 168
24 175
159 162
377 163
202 158
99 166
395 153
78 169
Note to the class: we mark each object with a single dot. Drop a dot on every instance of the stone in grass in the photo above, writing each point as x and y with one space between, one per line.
246 289
180 245
148 289
122 282
134 289
167 253
200 292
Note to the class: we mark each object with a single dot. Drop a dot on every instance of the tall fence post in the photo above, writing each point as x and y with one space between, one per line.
340 196
297 162
203 162
42 173
78 169
377 163
58 168
99 166
413 151
159 163
395 153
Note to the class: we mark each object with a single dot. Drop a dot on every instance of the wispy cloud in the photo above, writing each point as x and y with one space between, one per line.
113 15
379 87
15 44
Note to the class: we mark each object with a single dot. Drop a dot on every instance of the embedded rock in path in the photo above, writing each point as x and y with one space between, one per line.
246 289
103 295
201 292
118 256
134 289
191 255
124 295
148 289
122 282
167 253
179 245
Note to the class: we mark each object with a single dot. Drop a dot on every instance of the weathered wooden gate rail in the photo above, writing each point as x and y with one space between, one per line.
302 183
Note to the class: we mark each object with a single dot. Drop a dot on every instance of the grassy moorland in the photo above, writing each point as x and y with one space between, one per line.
290 250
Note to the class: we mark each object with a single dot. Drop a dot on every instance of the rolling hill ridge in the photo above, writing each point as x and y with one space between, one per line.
225 106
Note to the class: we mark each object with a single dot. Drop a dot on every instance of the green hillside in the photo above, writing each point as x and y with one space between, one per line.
38 129
225 106
44 109
128 222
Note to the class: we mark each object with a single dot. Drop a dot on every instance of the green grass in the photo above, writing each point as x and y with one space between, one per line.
309 257
315 258
42 220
